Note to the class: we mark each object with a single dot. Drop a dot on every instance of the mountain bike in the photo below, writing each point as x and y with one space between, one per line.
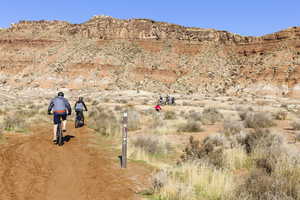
79 119
59 134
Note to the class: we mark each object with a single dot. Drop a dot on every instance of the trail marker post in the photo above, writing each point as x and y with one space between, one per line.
124 140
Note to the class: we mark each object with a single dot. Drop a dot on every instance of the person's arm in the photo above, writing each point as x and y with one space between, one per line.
68 107
84 106
50 106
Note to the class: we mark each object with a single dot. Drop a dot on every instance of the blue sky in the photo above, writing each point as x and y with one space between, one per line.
252 17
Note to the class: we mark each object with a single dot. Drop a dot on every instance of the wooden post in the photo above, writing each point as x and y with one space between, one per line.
124 141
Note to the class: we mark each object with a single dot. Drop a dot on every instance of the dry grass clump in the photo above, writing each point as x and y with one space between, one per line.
134 120
297 136
210 151
190 126
170 115
151 149
104 122
276 175
258 120
15 122
258 151
122 101
232 127
261 138
259 185
195 116
281 115
1 136
296 125
192 180
271 169
211 116
118 108
95 103
152 145
243 112
2 112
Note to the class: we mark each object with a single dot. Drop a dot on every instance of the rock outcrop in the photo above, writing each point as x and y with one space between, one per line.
109 53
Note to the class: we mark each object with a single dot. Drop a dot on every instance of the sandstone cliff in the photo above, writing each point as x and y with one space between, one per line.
108 53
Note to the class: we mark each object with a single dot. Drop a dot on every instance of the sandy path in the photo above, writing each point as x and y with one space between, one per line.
33 168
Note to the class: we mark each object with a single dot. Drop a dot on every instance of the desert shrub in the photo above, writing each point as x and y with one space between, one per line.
296 125
14 122
259 185
134 120
145 102
258 120
106 100
92 113
190 126
195 116
95 103
184 103
122 101
262 138
297 136
156 120
118 108
2 112
243 112
105 123
232 127
211 116
236 158
192 180
152 145
210 151
281 115
170 115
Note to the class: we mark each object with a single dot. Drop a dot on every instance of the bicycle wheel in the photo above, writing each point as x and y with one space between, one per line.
59 135
77 121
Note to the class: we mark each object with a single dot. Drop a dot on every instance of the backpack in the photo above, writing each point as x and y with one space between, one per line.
79 106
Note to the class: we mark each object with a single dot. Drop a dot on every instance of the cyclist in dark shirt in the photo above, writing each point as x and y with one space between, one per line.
80 107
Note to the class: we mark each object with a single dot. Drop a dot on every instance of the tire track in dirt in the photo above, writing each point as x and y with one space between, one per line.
32 168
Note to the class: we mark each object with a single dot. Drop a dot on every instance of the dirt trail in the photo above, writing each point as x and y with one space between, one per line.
33 168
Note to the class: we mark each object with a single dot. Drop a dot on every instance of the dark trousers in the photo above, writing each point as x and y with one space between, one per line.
79 113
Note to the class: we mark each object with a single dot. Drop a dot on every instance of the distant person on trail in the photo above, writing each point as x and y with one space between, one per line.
173 100
161 100
79 108
157 108
60 107
167 99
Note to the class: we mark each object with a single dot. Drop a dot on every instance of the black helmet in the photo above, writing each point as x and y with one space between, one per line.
60 94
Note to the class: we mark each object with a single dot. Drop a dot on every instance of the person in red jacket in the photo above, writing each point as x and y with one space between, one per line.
157 108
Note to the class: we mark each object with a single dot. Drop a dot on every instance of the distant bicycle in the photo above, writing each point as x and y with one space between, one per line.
79 108
79 119
59 134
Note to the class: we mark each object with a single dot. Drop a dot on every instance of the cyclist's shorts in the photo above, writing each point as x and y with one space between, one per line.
59 116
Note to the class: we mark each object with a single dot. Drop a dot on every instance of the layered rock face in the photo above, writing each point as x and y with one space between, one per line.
113 54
